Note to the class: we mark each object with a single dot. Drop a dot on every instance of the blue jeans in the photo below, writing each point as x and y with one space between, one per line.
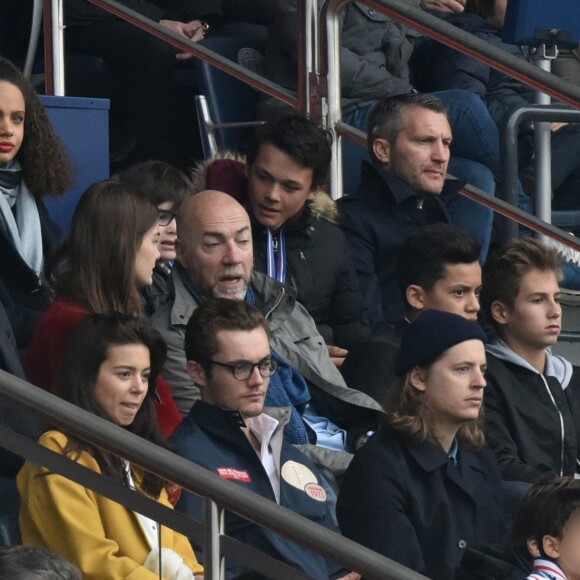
468 214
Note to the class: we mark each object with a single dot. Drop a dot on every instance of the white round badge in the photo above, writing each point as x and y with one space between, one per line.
300 477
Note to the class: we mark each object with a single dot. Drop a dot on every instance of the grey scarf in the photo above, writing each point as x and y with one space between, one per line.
19 219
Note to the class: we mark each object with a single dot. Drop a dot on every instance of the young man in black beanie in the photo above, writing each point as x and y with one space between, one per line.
424 488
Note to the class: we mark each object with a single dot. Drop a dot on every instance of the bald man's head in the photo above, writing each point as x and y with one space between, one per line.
214 244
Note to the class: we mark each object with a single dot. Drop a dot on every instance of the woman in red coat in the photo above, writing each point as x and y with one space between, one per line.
107 258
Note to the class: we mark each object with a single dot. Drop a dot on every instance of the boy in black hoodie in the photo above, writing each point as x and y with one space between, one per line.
531 395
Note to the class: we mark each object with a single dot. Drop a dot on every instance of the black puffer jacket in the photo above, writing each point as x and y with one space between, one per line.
437 67
320 269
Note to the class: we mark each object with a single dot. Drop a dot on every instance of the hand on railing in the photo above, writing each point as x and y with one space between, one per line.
193 30
443 5
557 126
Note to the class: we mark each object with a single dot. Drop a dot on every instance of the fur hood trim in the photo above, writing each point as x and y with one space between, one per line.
322 206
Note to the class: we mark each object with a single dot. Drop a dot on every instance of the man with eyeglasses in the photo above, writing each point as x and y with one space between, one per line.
231 433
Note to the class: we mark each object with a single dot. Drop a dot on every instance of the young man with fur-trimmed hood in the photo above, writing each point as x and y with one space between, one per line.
295 238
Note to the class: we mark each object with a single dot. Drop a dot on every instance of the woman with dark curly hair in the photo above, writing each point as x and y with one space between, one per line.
109 370
33 163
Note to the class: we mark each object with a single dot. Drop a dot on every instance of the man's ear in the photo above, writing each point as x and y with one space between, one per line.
416 296
551 547
178 249
418 378
382 150
499 312
197 373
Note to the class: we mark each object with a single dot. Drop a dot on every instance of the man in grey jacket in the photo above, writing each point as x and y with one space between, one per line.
214 259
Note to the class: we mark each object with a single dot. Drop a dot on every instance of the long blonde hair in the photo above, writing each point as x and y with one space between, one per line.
408 414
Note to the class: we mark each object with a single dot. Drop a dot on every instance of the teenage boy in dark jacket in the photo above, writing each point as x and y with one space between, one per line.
531 400
438 268
296 240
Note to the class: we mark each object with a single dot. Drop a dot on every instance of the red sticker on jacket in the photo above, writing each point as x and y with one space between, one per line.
236 474
315 491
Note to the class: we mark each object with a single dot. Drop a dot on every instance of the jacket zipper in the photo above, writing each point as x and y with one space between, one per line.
278 300
561 424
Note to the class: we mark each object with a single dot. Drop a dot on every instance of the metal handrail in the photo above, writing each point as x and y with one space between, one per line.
183 44
225 494
509 149
33 39
439 30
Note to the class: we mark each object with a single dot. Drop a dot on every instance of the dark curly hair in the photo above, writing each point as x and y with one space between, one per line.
46 167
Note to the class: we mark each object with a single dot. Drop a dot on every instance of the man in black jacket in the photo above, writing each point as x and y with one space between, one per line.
146 100
294 241
531 400
409 139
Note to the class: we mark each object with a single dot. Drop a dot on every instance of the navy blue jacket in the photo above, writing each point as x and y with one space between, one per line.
212 438
409 502
376 221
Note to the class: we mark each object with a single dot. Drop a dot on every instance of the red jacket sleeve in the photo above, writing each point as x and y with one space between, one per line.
168 414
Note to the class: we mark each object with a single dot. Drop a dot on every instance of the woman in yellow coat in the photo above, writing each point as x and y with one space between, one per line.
110 364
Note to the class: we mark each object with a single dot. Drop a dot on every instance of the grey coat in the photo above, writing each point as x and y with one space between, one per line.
374 54
294 337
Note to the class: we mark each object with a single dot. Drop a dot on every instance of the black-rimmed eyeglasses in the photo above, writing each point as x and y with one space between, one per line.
242 371
165 217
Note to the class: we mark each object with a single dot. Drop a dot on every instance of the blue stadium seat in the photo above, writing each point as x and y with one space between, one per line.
230 100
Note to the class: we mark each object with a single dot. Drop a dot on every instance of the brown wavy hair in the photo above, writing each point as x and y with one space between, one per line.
95 267
46 167
407 414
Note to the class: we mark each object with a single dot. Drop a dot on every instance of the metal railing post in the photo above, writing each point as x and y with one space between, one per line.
34 34
58 47
542 147
214 564
330 65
